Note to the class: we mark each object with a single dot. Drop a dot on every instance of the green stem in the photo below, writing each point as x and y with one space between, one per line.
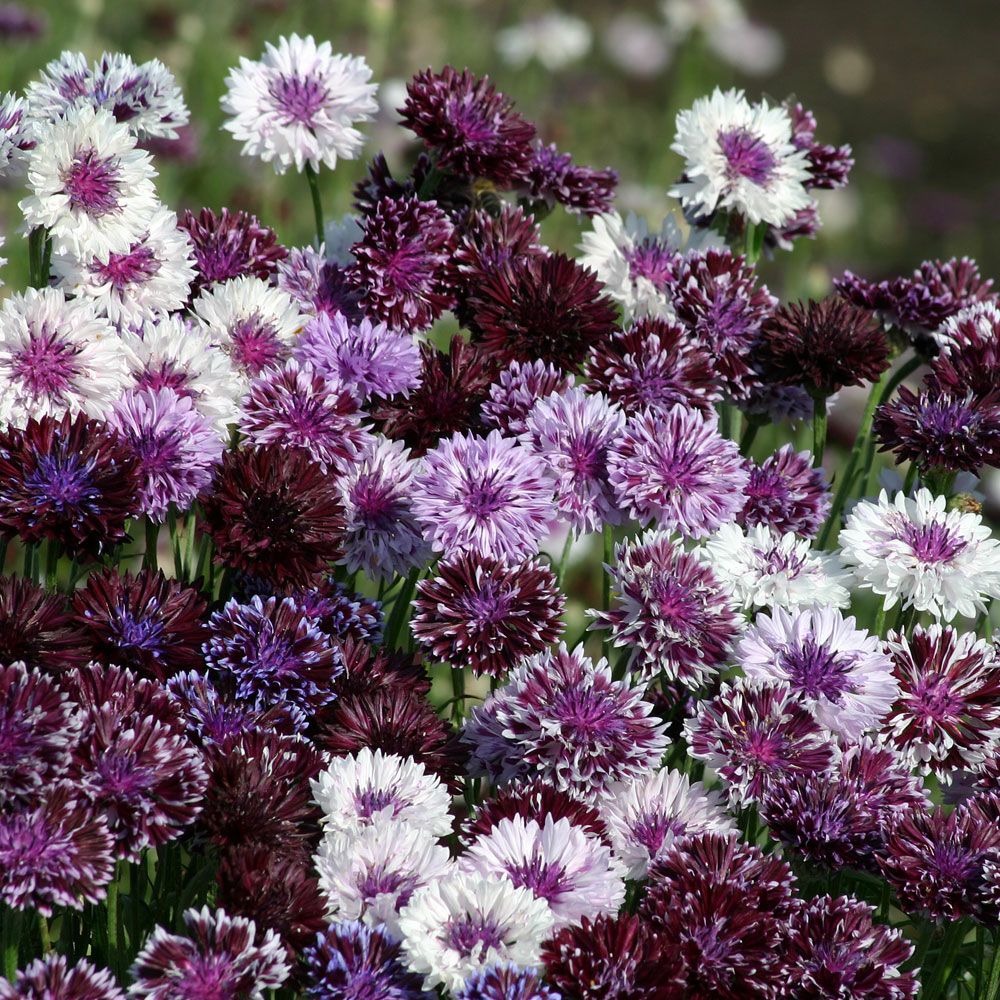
43 933
727 420
149 559
39 251
819 431
754 424
936 984
564 558
609 554
458 690
10 934
400 607
430 184
313 179
880 619
992 991
911 478
114 942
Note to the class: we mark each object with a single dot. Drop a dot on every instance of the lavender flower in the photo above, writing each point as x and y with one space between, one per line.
520 385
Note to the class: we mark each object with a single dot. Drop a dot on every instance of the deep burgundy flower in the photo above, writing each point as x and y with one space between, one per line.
471 127
53 978
69 480
342 613
39 726
835 949
486 613
274 513
378 182
453 387
941 431
393 720
367 668
553 178
969 364
829 165
653 364
403 263
535 800
934 860
36 628
229 245
786 493
822 346
548 308
57 852
613 958
145 622
258 793
716 296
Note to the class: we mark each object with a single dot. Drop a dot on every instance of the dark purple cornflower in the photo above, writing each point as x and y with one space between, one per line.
969 367
541 308
786 493
378 182
404 263
39 727
520 385
453 387
939 431
487 613
319 287
505 982
668 611
751 734
349 959
341 613
145 622
274 651
821 346
395 720
934 860
537 800
297 406
829 165
220 956
17 23
552 178
488 241
612 958
723 905
470 127
716 297
653 364
229 245
211 711
273 513
69 480
57 852
53 978
36 628
834 949
368 668
258 794
96 688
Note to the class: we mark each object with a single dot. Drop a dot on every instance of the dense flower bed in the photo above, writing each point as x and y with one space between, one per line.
296 694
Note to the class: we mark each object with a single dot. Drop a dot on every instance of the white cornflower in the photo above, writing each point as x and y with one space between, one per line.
739 157
144 97
368 787
174 353
573 872
636 266
554 39
762 568
151 278
370 875
299 104
253 322
90 185
644 817
466 922
14 138
57 356
918 553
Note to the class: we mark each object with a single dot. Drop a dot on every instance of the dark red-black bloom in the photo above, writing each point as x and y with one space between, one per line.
36 628
273 513
145 622
367 668
553 178
68 479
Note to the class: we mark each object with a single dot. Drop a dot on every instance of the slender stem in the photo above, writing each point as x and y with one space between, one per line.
458 690
399 609
114 943
10 933
992 991
880 619
754 424
609 554
313 179
43 934
911 478
564 558
149 559
728 416
936 983
39 251
819 430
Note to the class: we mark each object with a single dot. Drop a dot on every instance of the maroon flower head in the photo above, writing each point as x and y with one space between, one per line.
274 513
378 182
145 622
69 480
519 386
471 127
53 978
36 628
368 668
829 165
548 308
229 245
552 178
786 493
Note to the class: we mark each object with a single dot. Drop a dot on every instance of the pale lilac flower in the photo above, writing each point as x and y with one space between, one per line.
676 469
489 495
519 386
299 103
573 872
837 669
572 432
644 817
89 184
762 568
917 553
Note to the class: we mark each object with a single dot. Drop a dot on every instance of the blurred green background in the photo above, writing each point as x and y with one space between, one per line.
911 84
